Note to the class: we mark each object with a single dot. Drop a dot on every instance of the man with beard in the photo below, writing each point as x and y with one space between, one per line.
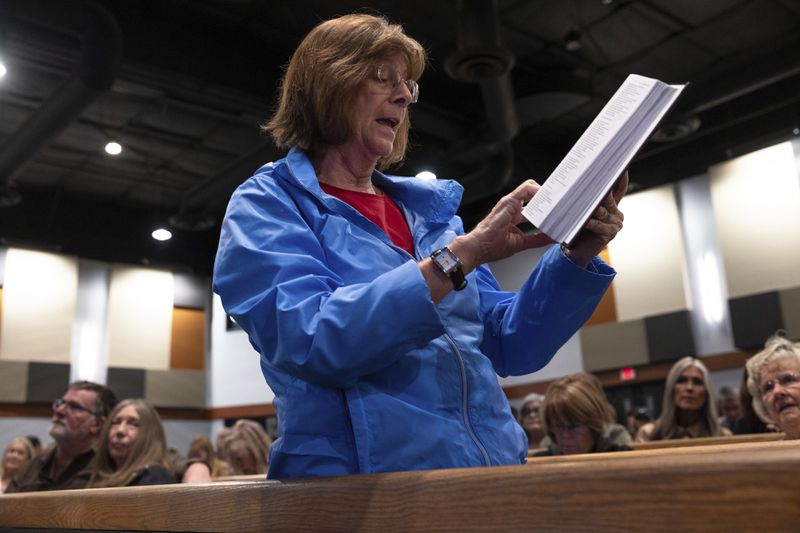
78 417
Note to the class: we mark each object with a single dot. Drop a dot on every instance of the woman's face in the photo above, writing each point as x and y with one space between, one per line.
15 458
780 393
379 109
242 460
573 438
123 434
531 420
690 391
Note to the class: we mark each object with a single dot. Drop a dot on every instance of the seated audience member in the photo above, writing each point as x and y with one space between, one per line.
578 418
16 455
636 417
531 420
247 448
201 449
77 423
689 408
730 410
219 442
774 383
36 443
749 422
133 450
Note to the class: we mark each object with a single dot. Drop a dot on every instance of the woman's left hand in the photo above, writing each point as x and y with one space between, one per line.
602 227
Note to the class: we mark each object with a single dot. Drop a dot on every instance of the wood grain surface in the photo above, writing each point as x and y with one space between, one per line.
730 487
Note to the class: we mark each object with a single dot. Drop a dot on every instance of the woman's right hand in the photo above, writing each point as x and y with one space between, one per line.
497 236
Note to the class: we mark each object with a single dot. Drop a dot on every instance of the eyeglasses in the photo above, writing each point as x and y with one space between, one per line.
785 381
528 410
388 76
71 405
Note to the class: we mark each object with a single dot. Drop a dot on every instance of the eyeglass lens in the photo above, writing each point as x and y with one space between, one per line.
387 74
71 405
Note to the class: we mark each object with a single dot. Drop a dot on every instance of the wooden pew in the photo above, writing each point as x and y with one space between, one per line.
705 441
738 487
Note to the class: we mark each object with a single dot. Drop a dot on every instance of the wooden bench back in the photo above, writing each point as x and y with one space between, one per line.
711 488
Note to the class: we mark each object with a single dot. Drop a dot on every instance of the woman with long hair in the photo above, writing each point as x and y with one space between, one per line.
16 455
132 449
689 406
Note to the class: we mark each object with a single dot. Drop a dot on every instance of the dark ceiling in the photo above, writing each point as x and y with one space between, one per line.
184 84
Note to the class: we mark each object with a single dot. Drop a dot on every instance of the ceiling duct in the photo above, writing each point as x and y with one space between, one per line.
101 56
480 58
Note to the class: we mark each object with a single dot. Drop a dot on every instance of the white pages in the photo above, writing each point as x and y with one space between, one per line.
584 177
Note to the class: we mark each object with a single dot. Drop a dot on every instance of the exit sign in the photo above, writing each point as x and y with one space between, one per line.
627 374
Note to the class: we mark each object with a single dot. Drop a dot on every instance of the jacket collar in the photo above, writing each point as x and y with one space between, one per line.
437 200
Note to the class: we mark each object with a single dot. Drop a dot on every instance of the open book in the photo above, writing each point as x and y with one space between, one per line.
584 177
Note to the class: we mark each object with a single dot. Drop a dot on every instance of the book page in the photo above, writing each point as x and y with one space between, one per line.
602 131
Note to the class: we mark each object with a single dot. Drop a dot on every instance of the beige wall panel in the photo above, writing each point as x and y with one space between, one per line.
756 201
614 345
648 256
39 299
175 388
790 308
13 381
139 318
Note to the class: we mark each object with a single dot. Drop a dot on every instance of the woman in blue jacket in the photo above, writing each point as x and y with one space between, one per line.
381 331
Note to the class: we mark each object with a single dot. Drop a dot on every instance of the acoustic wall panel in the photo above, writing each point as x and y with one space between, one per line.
756 201
176 388
46 381
13 381
187 349
39 299
126 382
790 309
614 345
669 336
139 318
755 318
649 256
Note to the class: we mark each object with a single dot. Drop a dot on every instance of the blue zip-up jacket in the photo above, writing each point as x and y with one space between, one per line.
368 374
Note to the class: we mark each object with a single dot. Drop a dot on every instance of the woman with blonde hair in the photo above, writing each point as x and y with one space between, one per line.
578 418
689 405
132 449
16 455
774 382
201 449
247 448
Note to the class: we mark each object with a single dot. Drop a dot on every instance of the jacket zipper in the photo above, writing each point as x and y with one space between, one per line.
464 406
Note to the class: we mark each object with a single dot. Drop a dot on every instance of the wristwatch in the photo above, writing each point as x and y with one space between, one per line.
450 264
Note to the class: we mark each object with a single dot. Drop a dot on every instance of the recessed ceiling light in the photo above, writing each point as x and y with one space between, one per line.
113 148
796 131
162 234
426 175
2 69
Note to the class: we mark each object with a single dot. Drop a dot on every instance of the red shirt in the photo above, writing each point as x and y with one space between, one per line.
381 210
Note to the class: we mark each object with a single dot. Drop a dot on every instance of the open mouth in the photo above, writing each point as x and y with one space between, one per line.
785 406
390 122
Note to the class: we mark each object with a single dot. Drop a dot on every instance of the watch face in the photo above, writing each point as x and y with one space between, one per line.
446 260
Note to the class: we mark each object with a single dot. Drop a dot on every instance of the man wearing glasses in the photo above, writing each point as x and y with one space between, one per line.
78 417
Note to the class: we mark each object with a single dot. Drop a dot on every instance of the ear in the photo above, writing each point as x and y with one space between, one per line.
97 425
